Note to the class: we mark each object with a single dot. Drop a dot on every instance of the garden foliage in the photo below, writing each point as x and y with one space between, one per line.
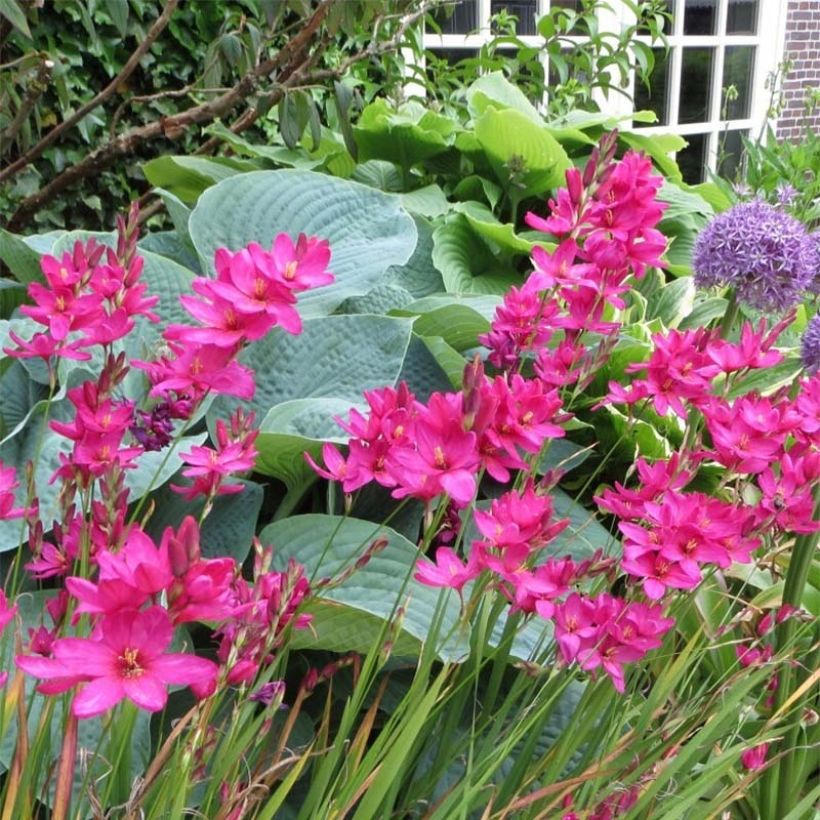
416 478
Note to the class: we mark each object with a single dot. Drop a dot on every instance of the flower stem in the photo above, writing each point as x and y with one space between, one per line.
729 317
796 579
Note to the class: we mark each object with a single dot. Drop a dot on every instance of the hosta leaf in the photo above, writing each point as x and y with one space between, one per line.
326 545
673 302
466 263
496 90
459 320
368 230
525 157
188 177
227 531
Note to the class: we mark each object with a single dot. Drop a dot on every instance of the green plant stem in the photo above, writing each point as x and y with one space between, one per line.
796 579
730 316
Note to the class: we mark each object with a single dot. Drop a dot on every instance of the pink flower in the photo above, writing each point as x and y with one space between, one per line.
199 369
6 616
235 453
447 571
125 658
754 757
445 457
8 484
302 265
44 346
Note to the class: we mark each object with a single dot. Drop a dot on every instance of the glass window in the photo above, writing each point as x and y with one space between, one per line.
738 67
461 18
730 152
656 97
700 17
741 17
692 159
524 10
696 84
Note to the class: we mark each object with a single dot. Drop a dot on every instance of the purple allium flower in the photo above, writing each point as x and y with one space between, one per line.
761 251
814 285
810 346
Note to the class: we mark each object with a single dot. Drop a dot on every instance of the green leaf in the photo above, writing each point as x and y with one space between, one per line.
673 302
465 262
482 220
526 158
496 90
118 11
368 231
682 202
418 275
459 320
188 177
429 201
768 379
659 147
293 428
22 260
562 454
705 311
327 545
11 10
227 531
448 359
406 135
422 371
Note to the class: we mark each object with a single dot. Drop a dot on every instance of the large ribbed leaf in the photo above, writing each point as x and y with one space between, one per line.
369 231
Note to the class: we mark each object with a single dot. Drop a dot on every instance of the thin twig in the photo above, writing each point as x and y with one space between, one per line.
133 61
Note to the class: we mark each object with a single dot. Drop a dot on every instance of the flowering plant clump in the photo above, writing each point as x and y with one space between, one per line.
451 594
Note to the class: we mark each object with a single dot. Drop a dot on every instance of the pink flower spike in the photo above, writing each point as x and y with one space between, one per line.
8 484
448 570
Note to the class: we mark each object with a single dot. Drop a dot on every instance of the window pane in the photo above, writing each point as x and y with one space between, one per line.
463 20
730 149
741 17
692 160
696 84
700 17
738 66
656 97
524 10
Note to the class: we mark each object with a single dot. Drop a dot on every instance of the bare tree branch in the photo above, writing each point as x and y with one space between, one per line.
133 61
175 125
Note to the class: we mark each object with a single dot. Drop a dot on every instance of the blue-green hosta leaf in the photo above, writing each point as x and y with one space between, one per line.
584 535
368 231
525 157
303 381
422 371
466 263
429 201
418 275
326 545
296 427
227 531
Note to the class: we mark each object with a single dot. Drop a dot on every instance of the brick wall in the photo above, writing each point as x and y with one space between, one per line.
803 50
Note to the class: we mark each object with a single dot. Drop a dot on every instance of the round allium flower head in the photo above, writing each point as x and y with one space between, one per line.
814 285
810 346
761 251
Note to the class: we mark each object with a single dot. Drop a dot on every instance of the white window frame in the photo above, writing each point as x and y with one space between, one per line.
769 45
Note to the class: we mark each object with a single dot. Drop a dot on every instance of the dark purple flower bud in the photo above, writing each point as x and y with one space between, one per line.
267 693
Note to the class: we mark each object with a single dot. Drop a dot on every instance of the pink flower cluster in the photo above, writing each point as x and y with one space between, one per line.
94 292
254 291
605 221
429 450
132 593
